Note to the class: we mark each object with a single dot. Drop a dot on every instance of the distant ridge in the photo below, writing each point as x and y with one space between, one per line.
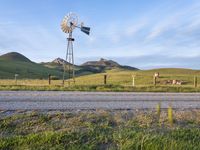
106 64
89 67
59 61
14 56
101 62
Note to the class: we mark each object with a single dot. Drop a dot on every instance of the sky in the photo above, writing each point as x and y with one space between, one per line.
141 33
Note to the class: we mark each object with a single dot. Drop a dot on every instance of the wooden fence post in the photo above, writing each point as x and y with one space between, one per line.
195 81
105 79
63 82
49 77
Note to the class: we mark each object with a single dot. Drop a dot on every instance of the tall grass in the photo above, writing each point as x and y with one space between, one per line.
158 112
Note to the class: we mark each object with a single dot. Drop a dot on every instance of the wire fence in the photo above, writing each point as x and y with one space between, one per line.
114 79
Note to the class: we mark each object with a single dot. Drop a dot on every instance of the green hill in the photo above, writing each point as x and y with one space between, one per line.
15 63
14 56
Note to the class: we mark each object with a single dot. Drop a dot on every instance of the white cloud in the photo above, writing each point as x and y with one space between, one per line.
176 21
163 26
115 32
133 28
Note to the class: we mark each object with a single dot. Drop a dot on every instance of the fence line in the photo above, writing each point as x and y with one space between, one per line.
122 79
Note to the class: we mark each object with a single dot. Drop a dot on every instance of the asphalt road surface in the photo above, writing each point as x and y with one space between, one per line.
56 100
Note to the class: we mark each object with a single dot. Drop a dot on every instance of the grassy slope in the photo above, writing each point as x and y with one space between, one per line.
79 70
31 70
25 69
145 77
172 71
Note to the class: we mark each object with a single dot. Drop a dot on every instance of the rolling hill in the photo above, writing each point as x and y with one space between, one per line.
14 56
15 63
142 77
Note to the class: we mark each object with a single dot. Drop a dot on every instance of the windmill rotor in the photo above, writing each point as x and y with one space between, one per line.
69 22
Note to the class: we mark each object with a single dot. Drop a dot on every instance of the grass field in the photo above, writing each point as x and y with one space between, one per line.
142 78
117 80
99 129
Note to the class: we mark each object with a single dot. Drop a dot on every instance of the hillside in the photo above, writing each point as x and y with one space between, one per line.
142 77
180 71
58 65
104 64
15 63
89 67
14 56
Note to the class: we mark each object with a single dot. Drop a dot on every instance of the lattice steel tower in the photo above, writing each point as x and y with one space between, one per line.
69 23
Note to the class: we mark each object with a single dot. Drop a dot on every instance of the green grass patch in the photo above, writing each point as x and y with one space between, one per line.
99 129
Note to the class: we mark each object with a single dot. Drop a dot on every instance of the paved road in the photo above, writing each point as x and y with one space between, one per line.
50 100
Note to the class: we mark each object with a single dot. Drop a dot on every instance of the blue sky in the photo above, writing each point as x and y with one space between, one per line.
141 33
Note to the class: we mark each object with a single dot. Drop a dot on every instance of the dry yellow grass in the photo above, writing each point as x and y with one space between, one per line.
119 77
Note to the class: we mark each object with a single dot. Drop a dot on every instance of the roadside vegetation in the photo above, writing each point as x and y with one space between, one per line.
100 129
100 88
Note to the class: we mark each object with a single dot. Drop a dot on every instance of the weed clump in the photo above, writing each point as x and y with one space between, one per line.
170 115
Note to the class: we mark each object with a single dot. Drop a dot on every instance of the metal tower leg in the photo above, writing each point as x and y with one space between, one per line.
69 67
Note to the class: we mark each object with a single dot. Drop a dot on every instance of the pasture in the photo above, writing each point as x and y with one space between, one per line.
117 80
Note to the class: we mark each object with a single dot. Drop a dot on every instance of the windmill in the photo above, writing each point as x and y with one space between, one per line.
68 24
